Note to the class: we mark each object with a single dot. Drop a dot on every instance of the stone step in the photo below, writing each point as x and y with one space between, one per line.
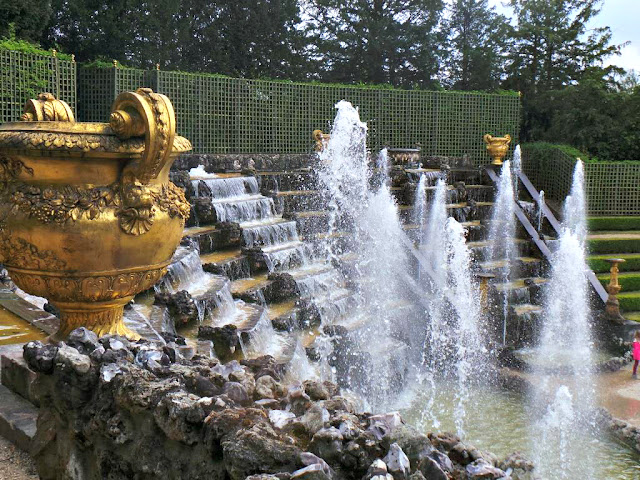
17 311
284 315
231 262
278 257
311 222
481 250
523 324
262 289
476 230
462 212
289 201
520 291
15 374
210 239
520 267
18 419
477 193
246 208
303 179
268 232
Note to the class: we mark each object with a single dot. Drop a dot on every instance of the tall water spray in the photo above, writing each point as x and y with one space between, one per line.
372 216
562 433
420 209
466 319
502 233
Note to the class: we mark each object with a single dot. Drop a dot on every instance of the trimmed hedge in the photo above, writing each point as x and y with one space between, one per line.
630 301
614 245
598 263
613 223
629 281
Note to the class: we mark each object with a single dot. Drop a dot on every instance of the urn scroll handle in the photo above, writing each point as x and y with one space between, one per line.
149 114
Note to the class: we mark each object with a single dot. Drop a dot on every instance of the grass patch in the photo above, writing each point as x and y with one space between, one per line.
629 281
634 316
613 223
598 264
629 301
614 245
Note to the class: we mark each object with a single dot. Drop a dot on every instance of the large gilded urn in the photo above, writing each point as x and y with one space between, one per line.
88 216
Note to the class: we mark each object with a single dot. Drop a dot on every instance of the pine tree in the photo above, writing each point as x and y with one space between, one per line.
552 48
478 39
24 18
377 41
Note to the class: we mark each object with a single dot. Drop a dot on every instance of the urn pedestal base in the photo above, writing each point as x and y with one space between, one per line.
103 318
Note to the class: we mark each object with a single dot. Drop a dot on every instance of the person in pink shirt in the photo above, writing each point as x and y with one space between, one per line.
636 353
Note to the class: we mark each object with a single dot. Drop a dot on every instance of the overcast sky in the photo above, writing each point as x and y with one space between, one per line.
622 16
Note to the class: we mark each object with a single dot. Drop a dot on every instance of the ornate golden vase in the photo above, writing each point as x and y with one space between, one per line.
88 216
497 147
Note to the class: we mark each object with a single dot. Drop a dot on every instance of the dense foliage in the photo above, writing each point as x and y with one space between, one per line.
545 50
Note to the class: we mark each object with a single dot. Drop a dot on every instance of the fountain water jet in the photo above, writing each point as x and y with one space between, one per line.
566 341
466 318
371 214
502 234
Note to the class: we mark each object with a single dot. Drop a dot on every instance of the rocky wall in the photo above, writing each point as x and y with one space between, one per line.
237 162
111 409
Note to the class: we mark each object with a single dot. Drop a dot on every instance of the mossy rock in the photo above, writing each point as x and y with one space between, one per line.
629 281
599 264
613 245
613 223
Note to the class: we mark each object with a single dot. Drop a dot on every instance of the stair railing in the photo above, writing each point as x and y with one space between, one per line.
553 221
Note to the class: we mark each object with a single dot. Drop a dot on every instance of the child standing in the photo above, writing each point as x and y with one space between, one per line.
636 353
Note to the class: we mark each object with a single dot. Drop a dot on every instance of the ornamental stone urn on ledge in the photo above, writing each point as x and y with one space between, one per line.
88 216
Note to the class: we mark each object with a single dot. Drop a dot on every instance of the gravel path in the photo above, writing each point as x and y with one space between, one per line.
14 463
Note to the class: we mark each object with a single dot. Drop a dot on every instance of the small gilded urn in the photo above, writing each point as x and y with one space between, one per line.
88 216
497 147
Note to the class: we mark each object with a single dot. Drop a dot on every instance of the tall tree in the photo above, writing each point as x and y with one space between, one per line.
552 48
478 42
27 18
235 37
377 41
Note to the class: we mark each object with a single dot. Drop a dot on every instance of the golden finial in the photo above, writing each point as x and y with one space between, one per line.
73 58
54 53
115 63
157 66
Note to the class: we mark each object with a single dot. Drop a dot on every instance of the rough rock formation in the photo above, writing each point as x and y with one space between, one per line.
112 409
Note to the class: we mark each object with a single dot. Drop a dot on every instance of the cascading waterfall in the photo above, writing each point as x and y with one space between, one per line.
566 341
502 235
187 274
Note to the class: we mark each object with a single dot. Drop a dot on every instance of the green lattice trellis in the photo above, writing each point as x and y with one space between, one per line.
612 188
231 115
25 75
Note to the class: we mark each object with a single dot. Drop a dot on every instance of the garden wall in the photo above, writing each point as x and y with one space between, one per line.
612 188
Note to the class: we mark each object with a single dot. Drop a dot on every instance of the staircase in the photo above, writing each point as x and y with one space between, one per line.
618 237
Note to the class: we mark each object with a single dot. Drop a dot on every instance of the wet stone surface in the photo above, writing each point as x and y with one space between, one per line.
115 409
